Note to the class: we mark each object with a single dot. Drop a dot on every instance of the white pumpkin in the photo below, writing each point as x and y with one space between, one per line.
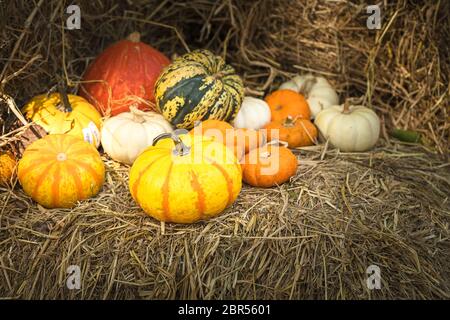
317 90
349 128
253 114
126 135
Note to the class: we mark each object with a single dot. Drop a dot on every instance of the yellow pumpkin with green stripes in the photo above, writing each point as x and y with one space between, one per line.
185 178
198 86
59 170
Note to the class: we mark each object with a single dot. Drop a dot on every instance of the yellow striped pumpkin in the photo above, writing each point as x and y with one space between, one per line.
185 179
81 119
59 170
198 86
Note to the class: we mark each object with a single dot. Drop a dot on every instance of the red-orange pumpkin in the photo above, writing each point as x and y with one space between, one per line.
124 74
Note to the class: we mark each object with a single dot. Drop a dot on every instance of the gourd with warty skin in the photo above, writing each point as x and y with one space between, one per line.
198 86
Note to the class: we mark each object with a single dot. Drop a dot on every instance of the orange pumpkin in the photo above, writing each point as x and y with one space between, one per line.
296 132
240 141
7 168
222 132
268 166
249 138
212 127
284 103
123 75
59 170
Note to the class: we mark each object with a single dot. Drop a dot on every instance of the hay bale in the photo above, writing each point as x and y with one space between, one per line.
311 238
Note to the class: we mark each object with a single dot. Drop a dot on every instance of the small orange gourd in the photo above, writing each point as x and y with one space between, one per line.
296 132
212 127
268 166
240 141
249 139
220 131
284 103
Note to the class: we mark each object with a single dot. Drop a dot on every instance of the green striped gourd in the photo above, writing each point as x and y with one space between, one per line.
198 86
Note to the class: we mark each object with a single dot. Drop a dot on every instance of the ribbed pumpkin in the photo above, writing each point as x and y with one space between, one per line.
351 128
317 90
123 75
240 141
287 103
222 132
80 119
185 178
211 127
126 135
268 166
198 86
7 168
59 170
296 132
249 138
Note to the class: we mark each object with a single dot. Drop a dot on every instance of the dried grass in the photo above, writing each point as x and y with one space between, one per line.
311 238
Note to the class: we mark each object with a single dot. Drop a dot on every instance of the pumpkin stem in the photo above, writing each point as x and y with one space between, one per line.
346 109
277 142
138 115
289 121
265 155
306 87
63 95
180 148
134 37
219 75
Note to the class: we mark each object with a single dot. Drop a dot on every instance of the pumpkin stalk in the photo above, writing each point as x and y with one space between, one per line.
218 75
138 115
180 148
65 100
134 37
289 121
277 142
265 155
307 86
346 109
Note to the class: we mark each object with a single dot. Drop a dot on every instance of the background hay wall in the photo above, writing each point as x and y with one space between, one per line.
401 70
339 215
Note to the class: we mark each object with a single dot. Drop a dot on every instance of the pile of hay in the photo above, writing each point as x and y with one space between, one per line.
313 237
